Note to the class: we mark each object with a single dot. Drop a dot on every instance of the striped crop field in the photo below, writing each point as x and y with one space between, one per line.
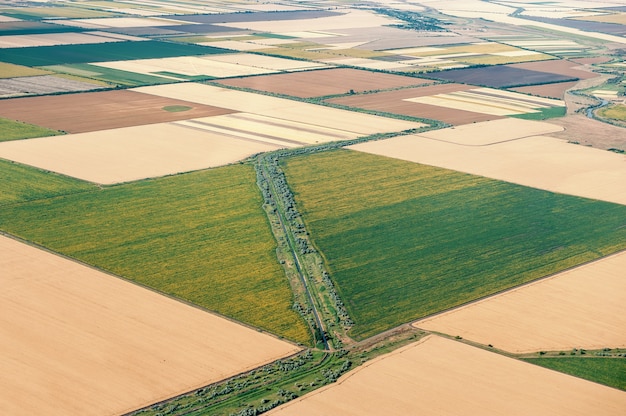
201 237
404 240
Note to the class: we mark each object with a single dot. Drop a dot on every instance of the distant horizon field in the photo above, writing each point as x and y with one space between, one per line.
403 241
201 237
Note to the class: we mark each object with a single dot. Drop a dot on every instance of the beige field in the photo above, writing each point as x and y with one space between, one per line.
75 341
51 39
185 65
354 123
436 376
266 62
132 153
537 161
579 308
488 101
371 64
351 19
123 22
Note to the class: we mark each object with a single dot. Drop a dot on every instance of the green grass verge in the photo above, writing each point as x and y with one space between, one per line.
201 237
16 130
615 112
604 370
543 113
404 240
176 108
19 183
101 52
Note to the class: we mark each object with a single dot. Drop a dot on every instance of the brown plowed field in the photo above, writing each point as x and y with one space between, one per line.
556 90
79 113
437 376
394 102
559 66
76 341
324 82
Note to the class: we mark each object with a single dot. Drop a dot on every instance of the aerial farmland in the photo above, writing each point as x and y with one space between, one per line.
237 208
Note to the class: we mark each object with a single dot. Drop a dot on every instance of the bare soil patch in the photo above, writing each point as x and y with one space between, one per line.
558 66
556 90
132 153
324 82
566 311
78 113
455 378
77 341
396 102
590 132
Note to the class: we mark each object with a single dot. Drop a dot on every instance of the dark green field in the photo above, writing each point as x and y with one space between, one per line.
101 52
603 370
109 75
404 240
202 237
15 130
19 183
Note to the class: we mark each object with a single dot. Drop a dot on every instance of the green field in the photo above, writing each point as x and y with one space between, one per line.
19 183
615 112
603 370
15 130
109 75
202 237
404 240
543 113
102 52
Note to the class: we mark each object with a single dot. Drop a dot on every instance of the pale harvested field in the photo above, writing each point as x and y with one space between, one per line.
579 308
492 132
123 22
75 341
397 102
52 39
326 82
371 64
79 113
265 62
185 65
43 84
539 162
309 114
444 377
558 66
132 153
351 19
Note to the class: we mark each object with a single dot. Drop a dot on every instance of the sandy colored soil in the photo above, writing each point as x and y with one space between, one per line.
50 39
397 102
311 115
568 310
556 90
488 101
122 22
185 65
132 153
590 132
327 82
75 341
78 113
444 377
491 132
540 162
267 62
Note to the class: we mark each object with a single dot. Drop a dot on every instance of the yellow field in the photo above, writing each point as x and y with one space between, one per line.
51 39
132 153
537 161
75 341
618 18
567 311
313 116
11 71
444 377
265 62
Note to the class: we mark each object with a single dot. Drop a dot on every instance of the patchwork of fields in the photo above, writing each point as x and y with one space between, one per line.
395 236
129 135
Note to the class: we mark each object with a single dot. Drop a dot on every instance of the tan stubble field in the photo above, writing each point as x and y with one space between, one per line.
76 341
437 376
